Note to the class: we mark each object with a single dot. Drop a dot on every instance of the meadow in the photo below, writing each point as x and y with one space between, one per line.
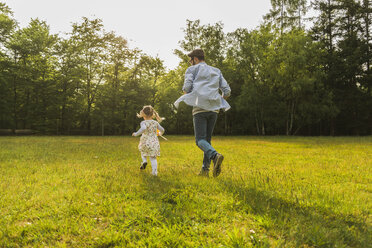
272 192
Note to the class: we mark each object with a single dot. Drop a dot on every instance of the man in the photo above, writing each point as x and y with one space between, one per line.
201 90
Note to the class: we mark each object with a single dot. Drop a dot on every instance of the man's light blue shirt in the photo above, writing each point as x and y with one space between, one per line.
202 85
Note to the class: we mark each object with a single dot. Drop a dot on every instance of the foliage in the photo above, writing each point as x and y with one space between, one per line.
284 79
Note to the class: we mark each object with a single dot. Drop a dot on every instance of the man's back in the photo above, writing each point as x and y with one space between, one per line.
202 83
206 80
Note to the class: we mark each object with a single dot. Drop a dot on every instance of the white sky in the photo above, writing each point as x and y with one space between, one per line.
154 26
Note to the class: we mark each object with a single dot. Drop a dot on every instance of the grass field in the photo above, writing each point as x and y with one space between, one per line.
272 192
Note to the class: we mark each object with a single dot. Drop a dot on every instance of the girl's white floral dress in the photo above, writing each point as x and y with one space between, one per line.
149 142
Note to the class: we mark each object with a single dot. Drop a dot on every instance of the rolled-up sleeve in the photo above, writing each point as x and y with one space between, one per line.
189 79
224 86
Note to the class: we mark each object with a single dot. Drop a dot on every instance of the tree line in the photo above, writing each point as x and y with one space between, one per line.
286 79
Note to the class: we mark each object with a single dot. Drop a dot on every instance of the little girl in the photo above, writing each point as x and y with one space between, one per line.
149 144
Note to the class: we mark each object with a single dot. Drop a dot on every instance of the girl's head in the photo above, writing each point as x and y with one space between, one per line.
149 112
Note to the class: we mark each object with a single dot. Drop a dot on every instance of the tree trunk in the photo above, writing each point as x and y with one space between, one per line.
257 124
367 21
332 127
125 118
114 101
25 119
287 120
88 105
292 117
330 34
63 110
15 118
44 100
370 123
88 118
63 118
262 122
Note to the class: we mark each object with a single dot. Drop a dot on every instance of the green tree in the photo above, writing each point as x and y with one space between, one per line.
112 99
210 38
68 84
249 54
325 31
7 27
287 14
151 71
33 76
345 26
298 80
91 40
366 81
169 89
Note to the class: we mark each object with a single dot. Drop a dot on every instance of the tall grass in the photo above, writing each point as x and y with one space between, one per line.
272 192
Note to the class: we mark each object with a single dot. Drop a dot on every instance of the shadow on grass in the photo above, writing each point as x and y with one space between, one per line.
301 226
306 140
176 202
156 185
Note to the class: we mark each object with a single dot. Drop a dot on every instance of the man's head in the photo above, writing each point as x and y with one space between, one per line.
196 56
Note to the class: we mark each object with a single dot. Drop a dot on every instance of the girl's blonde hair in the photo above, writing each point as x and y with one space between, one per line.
149 111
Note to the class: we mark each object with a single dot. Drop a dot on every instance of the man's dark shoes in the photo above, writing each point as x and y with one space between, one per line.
217 163
204 173
143 165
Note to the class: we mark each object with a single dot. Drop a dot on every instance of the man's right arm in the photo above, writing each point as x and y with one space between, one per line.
189 79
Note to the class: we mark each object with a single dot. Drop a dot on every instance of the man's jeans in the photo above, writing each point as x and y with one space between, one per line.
203 128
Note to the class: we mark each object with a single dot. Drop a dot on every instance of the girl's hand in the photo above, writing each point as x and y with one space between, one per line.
133 134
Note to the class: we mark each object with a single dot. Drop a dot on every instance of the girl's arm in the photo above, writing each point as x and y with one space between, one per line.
161 129
141 130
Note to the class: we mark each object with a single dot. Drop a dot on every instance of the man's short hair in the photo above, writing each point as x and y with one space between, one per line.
198 53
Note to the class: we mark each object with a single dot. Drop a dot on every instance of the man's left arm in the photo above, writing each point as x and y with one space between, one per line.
224 86
189 79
